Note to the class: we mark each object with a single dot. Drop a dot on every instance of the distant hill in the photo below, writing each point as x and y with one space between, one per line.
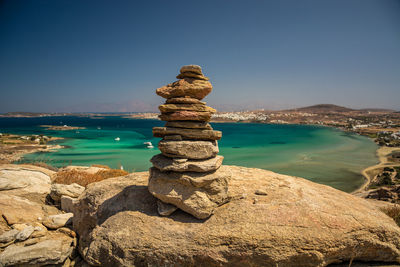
323 108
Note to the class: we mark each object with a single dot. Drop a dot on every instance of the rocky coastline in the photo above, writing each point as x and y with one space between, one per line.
13 147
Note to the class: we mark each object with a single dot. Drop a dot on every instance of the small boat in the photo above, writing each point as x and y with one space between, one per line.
149 144
117 139
98 128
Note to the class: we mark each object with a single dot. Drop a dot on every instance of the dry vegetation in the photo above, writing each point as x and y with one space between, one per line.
393 212
84 178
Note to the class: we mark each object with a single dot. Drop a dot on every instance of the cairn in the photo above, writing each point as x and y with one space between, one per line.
186 174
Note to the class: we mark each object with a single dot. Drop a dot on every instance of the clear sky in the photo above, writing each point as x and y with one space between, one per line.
65 55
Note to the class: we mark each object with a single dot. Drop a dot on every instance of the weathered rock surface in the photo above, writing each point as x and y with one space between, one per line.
170 164
189 149
184 100
20 180
195 134
169 108
53 251
196 193
58 221
299 223
15 209
190 87
25 233
186 115
71 190
8 236
189 124
67 203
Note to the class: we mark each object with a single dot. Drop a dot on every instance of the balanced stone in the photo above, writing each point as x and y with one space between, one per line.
189 124
186 173
191 68
168 108
184 100
189 149
165 164
193 88
186 115
195 134
192 75
194 192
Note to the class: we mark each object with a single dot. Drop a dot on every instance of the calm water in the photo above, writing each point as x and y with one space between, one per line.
320 154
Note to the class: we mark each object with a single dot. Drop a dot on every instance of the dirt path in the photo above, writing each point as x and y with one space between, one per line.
382 153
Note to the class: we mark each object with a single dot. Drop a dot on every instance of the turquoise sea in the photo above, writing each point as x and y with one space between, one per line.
320 154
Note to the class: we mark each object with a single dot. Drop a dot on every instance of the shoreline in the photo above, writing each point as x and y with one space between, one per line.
14 147
382 153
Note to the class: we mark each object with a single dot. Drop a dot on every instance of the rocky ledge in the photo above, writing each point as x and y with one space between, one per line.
270 220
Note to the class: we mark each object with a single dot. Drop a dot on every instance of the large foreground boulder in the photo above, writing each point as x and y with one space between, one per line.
294 222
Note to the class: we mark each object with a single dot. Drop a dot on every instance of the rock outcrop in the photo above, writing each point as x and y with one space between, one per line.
270 220
24 212
186 174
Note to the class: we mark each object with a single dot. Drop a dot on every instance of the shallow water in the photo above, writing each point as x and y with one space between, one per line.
320 154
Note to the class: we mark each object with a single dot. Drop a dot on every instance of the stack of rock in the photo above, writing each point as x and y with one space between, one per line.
186 174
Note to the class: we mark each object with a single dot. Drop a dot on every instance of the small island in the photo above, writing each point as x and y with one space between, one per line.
61 128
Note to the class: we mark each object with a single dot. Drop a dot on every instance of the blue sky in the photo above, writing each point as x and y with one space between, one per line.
64 55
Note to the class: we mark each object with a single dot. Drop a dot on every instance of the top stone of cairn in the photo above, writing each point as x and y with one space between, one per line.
191 71
192 68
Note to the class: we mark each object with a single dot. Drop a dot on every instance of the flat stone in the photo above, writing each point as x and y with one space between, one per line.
164 164
8 236
193 75
47 252
184 100
165 209
195 193
72 190
58 221
189 124
195 134
191 68
20 210
186 115
169 108
190 87
25 233
189 149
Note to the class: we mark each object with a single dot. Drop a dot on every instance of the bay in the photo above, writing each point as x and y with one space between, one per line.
320 154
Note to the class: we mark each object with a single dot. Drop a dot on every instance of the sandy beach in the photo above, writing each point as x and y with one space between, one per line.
370 172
